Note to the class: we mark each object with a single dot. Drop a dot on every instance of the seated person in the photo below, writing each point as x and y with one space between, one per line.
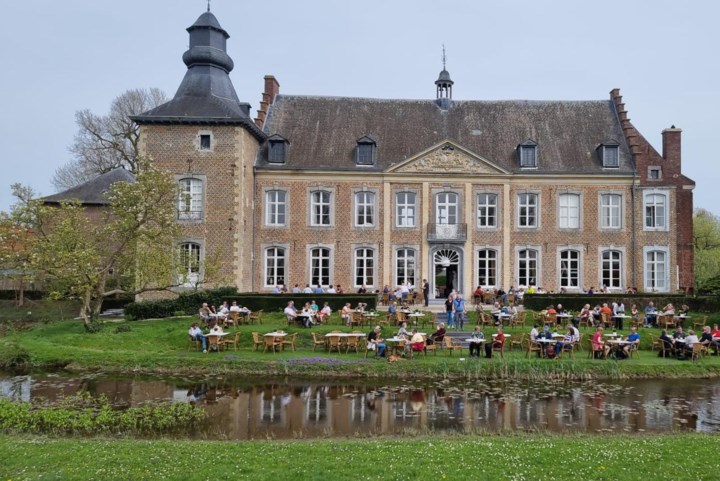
476 342
679 334
215 329
566 343
204 313
438 335
668 342
598 343
560 309
669 310
497 342
690 340
606 310
706 337
634 313
375 341
314 306
223 313
534 333
684 310
392 308
417 342
197 335
362 290
650 315
307 314
633 341
584 316
596 314
403 333
715 337
290 312
551 310
324 313
346 314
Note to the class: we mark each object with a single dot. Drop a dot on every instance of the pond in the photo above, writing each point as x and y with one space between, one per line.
285 409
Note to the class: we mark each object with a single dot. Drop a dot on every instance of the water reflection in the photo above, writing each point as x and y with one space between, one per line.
238 410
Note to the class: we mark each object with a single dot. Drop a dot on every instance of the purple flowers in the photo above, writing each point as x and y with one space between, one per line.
325 360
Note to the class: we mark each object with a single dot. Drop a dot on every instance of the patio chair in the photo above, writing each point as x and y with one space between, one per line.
533 346
568 347
430 347
333 343
655 343
497 348
698 350
451 347
232 342
290 341
633 350
215 343
235 318
593 353
578 345
353 342
317 341
257 341
519 340
605 320
256 317
274 343
520 321
667 349
193 342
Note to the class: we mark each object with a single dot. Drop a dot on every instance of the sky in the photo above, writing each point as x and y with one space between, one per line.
64 56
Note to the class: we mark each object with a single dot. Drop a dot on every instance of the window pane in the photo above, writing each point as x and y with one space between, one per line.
364 208
527 267
611 269
320 267
569 269
569 211
405 266
487 210
487 268
527 214
190 199
405 209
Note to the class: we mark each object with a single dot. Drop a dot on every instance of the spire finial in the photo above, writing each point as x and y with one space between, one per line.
208 5
443 56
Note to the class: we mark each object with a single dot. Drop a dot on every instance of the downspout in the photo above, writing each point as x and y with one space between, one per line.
254 224
632 234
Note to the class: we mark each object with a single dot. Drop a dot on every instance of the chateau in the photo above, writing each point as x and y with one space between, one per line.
352 191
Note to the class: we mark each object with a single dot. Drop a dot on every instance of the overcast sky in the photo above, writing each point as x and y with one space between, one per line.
63 56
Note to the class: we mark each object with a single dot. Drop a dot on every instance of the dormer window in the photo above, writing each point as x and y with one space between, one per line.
277 149
527 152
365 151
610 154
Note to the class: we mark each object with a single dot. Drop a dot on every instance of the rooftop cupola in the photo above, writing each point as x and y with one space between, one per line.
443 86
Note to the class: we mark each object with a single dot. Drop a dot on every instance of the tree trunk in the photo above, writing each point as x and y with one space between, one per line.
85 310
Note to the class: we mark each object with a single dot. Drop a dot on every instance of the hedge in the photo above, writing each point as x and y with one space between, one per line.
189 303
575 302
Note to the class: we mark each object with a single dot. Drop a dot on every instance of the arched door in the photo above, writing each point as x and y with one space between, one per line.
447 273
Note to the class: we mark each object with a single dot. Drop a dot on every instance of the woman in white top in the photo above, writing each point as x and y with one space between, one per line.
403 332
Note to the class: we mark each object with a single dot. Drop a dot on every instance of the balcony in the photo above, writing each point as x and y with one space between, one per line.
447 232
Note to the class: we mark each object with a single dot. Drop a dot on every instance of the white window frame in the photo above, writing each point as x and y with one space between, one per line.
279 261
405 211
569 215
191 202
273 207
404 262
601 267
368 261
651 278
564 281
606 210
652 195
450 209
487 209
528 205
497 268
330 264
364 208
538 265
190 275
318 204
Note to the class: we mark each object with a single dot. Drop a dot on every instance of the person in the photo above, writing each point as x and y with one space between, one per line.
584 316
204 313
478 295
618 308
324 313
530 289
426 292
559 309
403 333
319 290
669 310
392 308
290 312
706 337
314 306
684 310
668 342
449 310
534 333
346 314
551 310
498 341
439 335
650 315
633 341
634 313
477 340
375 341
690 340
362 289
598 344
417 343
715 338
679 334
596 315
459 309
223 312
591 291
296 289
276 289
566 343
330 289
308 289
307 315
197 335
339 289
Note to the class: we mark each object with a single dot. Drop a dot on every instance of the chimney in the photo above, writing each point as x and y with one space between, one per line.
272 89
671 145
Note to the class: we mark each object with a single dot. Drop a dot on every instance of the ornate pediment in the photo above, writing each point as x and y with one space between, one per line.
447 158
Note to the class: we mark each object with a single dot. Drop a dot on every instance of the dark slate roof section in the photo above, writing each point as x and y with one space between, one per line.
93 191
324 131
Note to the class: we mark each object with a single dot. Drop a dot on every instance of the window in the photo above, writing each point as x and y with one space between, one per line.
487 210
277 151
405 209
610 155
569 211
528 267
320 266
527 210
274 266
570 269
365 209
364 267
405 266
611 211
528 154
655 211
487 268
446 208
365 151
204 141
190 255
275 207
654 173
190 199
611 269
656 271
320 208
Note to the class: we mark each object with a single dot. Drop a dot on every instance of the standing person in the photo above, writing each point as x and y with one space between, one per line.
460 311
426 291
197 335
449 311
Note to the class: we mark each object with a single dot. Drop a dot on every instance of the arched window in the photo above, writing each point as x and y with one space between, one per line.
190 199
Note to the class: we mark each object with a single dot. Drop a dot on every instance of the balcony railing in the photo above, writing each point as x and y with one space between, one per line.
190 215
447 232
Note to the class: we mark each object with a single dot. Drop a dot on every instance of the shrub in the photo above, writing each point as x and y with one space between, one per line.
575 302
122 328
13 357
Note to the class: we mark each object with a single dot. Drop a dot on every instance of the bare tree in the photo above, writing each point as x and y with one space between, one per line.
105 142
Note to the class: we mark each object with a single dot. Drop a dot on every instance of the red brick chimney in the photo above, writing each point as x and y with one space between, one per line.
272 88
671 145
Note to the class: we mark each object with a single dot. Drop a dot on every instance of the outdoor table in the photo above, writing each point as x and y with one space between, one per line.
276 334
612 334
617 344
681 320
557 335
564 316
619 320
475 340
301 317
219 335
545 342
393 343
507 336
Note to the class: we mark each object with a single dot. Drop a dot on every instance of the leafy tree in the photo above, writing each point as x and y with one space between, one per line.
16 237
105 142
706 240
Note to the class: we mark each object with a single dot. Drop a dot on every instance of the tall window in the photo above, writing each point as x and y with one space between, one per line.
655 211
365 209
446 208
527 210
190 199
611 211
189 262
611 269
275 207
364 267
570 269
320 208
656 271
487 268
320 266
569 211
274 266
487 210
405 209
527 267
405 266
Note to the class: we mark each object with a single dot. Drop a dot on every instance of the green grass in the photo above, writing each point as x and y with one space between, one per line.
41 310
530 457
160 346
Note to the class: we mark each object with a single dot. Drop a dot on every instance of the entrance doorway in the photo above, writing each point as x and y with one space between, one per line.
446 272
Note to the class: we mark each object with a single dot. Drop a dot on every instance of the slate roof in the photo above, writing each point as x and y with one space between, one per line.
323 132
93 191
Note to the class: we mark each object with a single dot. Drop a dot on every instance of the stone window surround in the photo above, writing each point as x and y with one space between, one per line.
578 193
498 268
622 209
376 267
653 248
656 168
315 188
446 190
270 188
611 247
376 209
193 240
196 141
538 249
263 248
498 208
395 249
401 190
538 209
203 179
308 263
654 191
581 264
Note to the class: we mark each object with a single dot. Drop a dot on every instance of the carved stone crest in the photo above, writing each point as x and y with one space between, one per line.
447 159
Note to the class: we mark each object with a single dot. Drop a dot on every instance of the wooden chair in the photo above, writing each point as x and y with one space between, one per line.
257 341
356 318
215 343
698 351
235 318
605 320
666 321
193 342
550 319
655 343
290 341
533 346
592 352
430 347
232 342
333 343
452 347
497 348
667 349
519 340
256 317
578 345
369 348
698 326
273 343
428 319
353 342
569 348
633 350
318 340
520 321
385 299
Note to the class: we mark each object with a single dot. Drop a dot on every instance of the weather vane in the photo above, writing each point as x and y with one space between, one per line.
443 55
208 5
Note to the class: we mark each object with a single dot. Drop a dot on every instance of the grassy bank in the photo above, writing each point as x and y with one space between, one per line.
676 457
160 346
